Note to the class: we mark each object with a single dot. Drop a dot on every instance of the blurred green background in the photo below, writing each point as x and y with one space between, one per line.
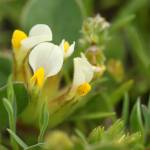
129 44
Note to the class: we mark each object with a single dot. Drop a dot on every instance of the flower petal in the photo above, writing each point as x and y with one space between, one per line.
30 42
62 45
70 50
46 55
41 29
83 71
38 34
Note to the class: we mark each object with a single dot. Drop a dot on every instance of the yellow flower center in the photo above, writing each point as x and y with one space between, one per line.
17 37
84 89
38 77
66 46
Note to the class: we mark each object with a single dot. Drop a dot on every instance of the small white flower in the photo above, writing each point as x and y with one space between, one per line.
83 74
96 69
38 34
67 48
46 59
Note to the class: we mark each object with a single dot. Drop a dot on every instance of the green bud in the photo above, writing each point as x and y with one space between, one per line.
95 55
58 140
116 69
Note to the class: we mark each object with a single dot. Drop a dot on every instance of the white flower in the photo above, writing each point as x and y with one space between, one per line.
83 74
46 59
96 69
67 48
38 34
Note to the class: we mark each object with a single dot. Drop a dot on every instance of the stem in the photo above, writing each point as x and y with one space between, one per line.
41 135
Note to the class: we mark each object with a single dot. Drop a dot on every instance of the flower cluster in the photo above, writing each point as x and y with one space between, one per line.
46 58
38 63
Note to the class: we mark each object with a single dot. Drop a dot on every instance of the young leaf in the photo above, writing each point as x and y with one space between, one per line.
10 112
125 111
81 136
95 115
138 48
116 129
146 115
136 118
44 119
17 139
34 146
10 90
96 134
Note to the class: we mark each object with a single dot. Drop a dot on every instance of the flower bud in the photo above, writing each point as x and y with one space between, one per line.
116 69
58 140
95 55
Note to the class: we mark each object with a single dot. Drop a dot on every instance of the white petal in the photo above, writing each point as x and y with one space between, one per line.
70 50
83 56
30 42
62 44
48 56
78 77
41 29
38 34
83 71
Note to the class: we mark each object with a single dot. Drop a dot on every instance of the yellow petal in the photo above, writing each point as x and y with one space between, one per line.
17 37
84 89
66 46
38 77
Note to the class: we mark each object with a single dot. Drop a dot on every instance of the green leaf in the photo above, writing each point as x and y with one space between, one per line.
21 96
95 115
118 93
21 142
5 69
146 115
12 119
17 139
116 130
10 90
136 118
131 7
96 134
34 146
125 111
65 21
121 22
81 136
10 112
138 47
44 119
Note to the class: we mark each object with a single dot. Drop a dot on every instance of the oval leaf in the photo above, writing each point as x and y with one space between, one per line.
64 17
